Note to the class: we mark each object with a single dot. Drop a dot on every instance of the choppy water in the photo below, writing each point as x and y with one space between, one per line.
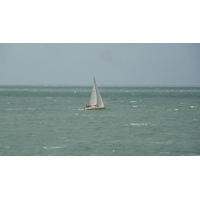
138 121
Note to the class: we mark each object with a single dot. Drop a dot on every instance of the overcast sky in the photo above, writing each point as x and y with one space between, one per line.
111 64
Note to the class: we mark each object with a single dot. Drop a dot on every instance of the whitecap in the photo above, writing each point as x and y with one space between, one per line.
193 106
134 106
165 142
138 124
194 154
162 152
133 101
30 108
156 107
19 109
159 142
14 109
171 133
52 147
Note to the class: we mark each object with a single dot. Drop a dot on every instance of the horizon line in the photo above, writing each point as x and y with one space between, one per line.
129 85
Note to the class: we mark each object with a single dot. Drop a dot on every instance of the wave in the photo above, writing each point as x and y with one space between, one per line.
164 152
9 109
30 108
53 147
86 115
139 124
164 142
15 109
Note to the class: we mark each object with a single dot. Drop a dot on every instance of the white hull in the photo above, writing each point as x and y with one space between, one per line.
94 108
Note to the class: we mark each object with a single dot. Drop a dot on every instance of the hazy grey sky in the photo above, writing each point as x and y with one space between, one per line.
111 64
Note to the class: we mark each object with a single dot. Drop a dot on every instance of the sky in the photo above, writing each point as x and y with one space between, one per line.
110 63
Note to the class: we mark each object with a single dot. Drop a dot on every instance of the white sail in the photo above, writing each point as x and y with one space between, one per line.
93 98
96 97
99 99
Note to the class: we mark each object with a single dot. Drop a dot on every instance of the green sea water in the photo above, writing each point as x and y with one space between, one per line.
137 121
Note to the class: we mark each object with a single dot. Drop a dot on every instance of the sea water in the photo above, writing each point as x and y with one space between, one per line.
138 121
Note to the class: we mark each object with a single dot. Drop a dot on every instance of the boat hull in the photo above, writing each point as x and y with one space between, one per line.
95 108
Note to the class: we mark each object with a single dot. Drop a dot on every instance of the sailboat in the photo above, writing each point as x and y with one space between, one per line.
96 102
